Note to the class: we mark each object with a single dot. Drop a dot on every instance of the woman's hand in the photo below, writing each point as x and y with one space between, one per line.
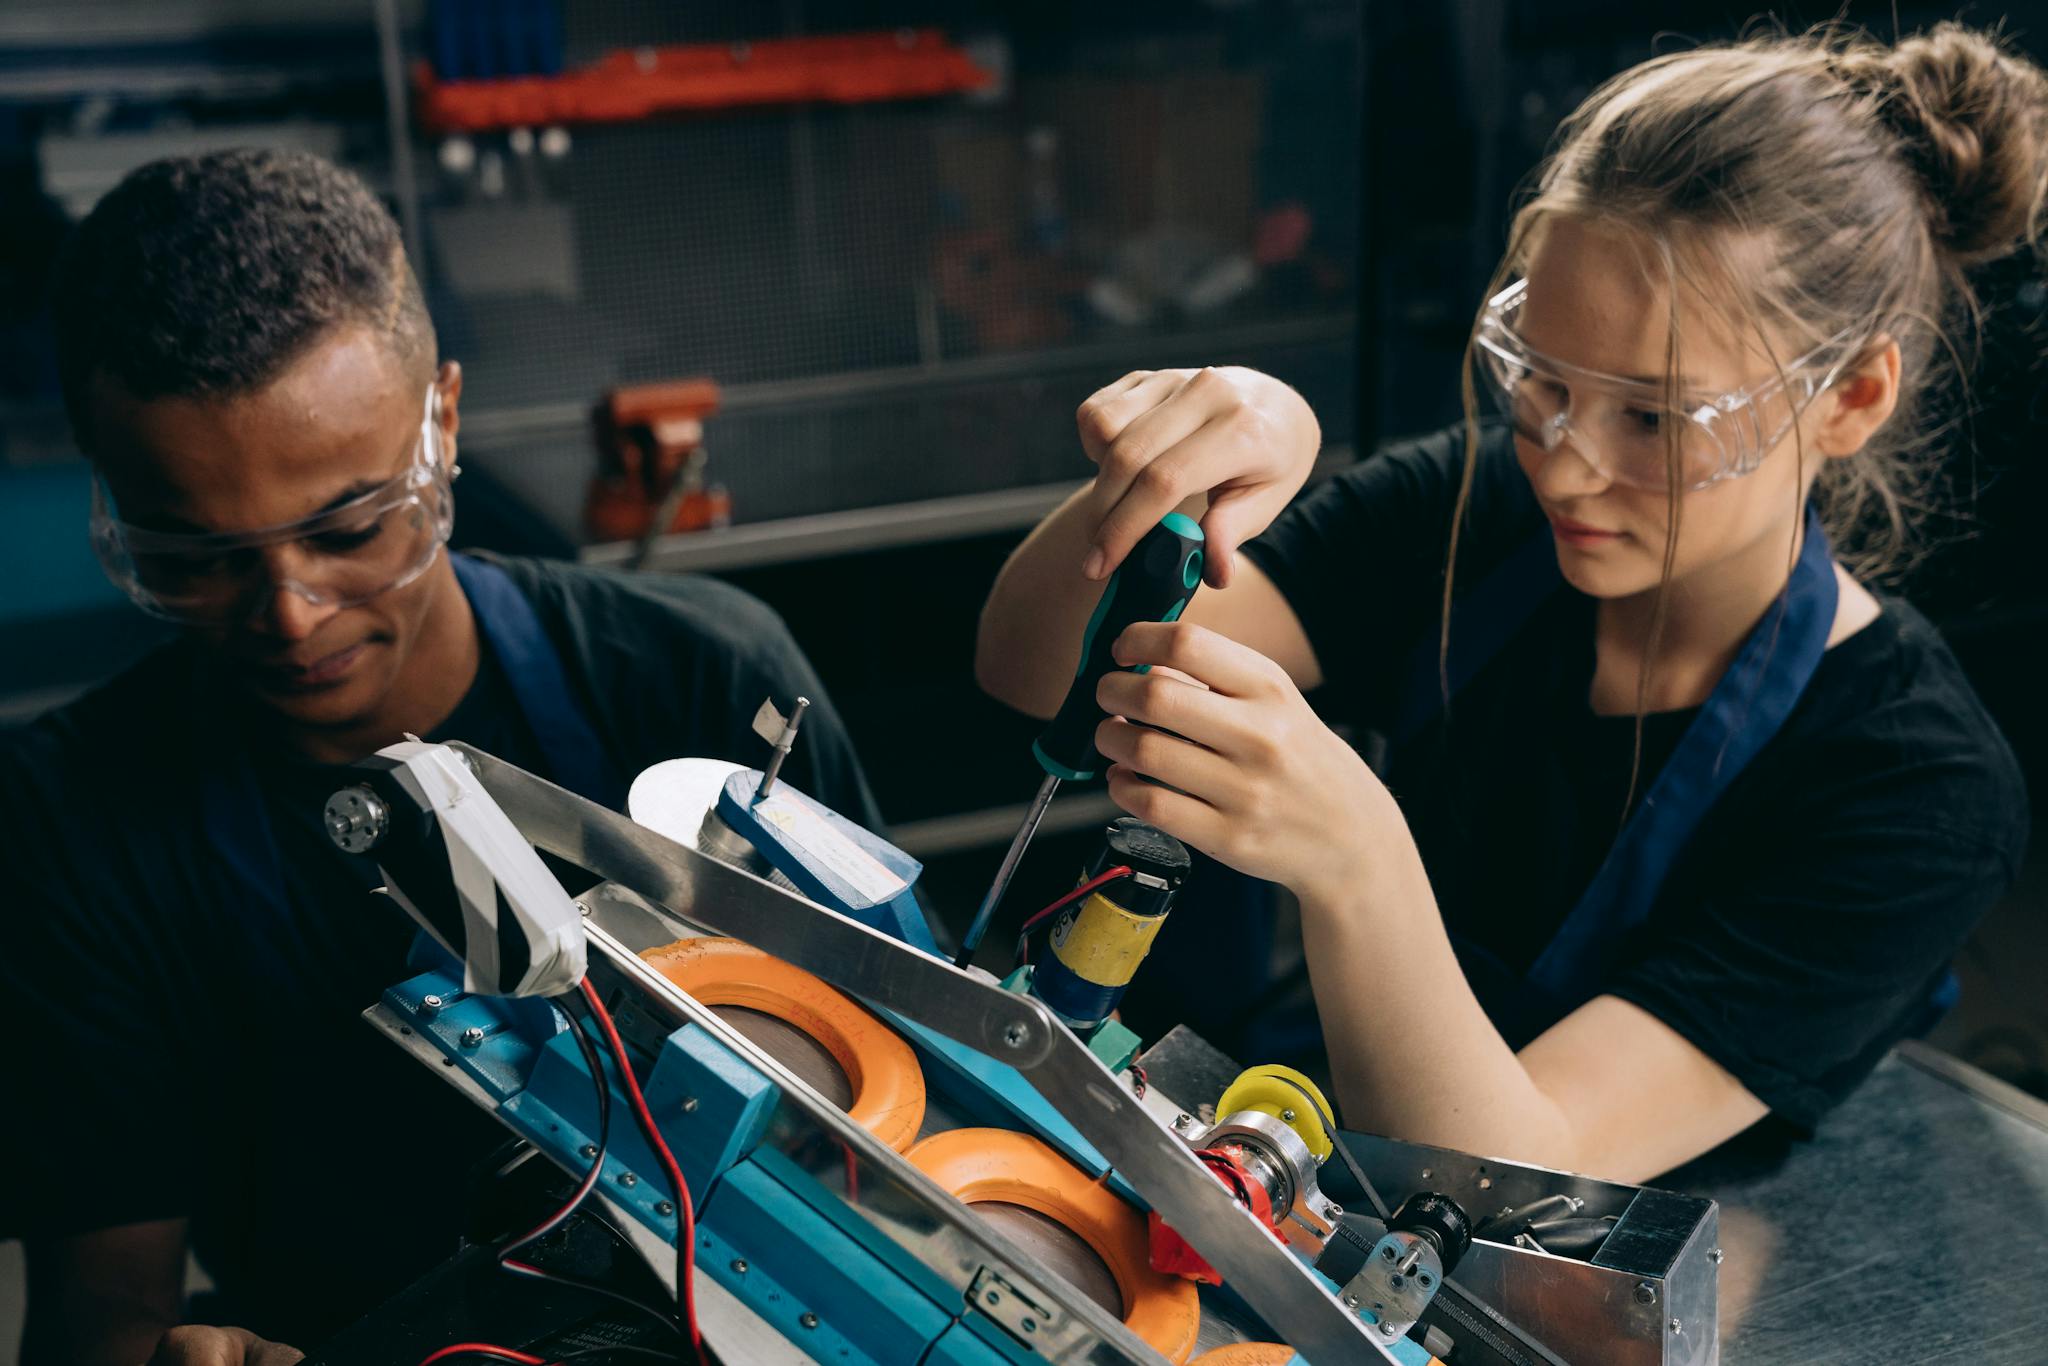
1160 437
1261 783
199 1345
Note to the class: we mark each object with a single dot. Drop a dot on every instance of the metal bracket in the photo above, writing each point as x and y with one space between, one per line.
1023 1312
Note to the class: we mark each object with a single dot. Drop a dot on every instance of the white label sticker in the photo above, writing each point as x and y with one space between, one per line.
830 846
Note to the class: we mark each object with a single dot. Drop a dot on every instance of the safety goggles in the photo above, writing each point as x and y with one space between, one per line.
377 541
1624 428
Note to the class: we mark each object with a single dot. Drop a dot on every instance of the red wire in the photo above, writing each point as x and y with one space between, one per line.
483 1349
686 1217
1102 879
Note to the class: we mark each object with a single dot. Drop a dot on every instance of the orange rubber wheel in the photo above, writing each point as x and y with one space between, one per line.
977 1165
1247 1354
887 1084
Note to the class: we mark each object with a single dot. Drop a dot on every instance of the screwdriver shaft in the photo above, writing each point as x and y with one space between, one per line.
1007 871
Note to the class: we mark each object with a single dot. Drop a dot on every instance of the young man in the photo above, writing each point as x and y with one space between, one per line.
249 365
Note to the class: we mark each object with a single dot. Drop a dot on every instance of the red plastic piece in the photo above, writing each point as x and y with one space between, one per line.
651 459
639 83
1172 1253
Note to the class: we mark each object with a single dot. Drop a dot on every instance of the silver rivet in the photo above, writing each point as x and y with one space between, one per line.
1645 1293
472 1036
808 1319
664 1207
628 1179
689 1104
430 1004
739 1264
589 1150
1714 1255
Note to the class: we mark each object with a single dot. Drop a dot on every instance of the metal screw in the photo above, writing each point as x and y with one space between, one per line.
1031 1325
1333 1211
739 1264
1645 1293
1387 1327
1426 1173
430 1004
808 1319
582 909
1677 1328
664 1207
588 1150
628 1179
689 1104
1351 1301
1015 1035
1287 1116
1183 1121
472 1036
1486 1183
992 1297
1714 1255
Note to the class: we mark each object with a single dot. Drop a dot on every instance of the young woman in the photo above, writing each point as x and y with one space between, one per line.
1680 823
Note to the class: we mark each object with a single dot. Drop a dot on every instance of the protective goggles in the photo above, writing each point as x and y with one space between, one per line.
1622 427
379 540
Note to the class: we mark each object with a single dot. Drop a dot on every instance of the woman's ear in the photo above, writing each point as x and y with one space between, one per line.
1859 401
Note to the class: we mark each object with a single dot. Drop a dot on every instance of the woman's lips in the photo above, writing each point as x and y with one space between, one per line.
1579 534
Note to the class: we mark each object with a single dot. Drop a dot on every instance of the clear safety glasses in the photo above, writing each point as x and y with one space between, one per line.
377 541
1621 427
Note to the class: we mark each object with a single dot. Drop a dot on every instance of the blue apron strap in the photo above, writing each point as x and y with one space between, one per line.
1482 623
1746 709
576 756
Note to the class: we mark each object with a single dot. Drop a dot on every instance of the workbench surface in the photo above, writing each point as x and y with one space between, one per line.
1912 1228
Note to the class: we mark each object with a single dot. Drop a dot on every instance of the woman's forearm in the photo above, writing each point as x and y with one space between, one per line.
1029 640
1413 1053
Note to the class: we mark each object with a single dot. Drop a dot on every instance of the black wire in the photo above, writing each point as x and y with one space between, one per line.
595 1064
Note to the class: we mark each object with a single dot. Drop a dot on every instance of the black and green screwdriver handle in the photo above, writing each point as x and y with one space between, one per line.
1154 583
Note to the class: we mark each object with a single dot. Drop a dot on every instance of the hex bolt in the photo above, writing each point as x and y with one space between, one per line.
807 1319
664 1207
472 1036
430 1004
588 1150
628 1179
739 1264
1645 1293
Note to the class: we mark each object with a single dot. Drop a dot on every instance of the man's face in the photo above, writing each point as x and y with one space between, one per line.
343 419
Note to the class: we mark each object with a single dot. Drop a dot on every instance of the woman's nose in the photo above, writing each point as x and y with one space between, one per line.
1563 470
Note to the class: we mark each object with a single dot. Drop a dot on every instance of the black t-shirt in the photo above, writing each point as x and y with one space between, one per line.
177 1047
1815 909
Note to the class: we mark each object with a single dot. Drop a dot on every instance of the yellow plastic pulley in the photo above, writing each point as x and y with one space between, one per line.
1287 1096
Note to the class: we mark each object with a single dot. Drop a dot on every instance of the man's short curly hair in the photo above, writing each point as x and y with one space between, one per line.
206 276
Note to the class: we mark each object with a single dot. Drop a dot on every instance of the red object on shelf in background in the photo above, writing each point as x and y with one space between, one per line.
651 459
639 83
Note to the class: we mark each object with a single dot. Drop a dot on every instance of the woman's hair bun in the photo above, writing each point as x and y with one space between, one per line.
1973 117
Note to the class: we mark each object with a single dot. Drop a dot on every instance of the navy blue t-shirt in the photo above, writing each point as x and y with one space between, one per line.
179 1048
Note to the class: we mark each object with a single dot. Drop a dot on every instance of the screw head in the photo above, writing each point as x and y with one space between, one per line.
1645 1293
689 1105
1030 1325
739 1264
1426 1173
472 1036
1287 1116
992 1297
807 1319
1332 1210
1677 1328
1351 1301
1183 1121
588 1150
1714 1255
664 1207
1015 1035
1387 1327
628 1179
430 1004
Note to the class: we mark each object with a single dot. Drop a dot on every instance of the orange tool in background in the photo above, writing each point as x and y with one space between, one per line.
651 461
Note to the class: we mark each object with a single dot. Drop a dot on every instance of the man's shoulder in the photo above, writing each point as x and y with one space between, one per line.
682 608
141 717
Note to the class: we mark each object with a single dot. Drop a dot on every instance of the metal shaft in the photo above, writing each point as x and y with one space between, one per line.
782 748
1008 870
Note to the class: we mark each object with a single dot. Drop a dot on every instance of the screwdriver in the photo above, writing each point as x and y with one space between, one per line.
1154 583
